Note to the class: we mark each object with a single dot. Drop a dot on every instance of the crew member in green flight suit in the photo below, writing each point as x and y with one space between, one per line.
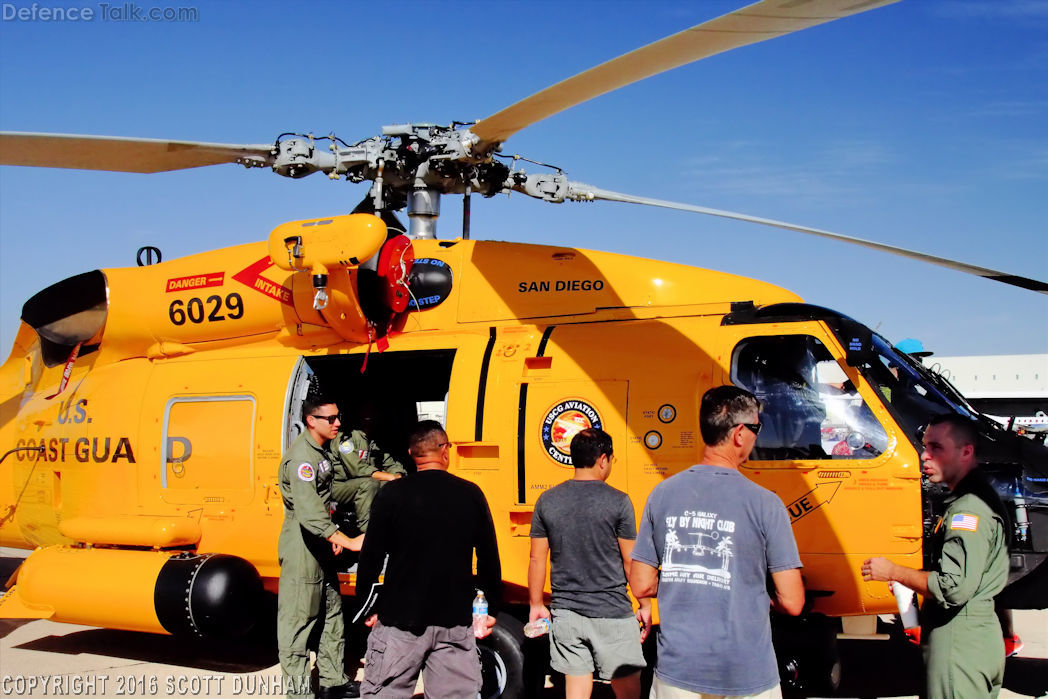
960 634
361 467
309 541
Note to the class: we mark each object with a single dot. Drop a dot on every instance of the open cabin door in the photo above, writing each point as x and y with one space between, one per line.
298 388
386 399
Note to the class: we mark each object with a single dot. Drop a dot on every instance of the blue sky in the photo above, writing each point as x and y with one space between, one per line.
922 125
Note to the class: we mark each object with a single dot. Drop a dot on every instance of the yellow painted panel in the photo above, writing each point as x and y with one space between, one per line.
556 412
112 588
140 530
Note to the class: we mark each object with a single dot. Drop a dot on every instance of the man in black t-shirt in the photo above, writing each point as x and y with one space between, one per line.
588 529
429 525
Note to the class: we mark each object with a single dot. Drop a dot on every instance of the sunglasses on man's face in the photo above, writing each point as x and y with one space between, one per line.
754 427
332 419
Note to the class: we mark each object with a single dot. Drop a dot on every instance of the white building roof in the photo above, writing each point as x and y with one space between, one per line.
995 376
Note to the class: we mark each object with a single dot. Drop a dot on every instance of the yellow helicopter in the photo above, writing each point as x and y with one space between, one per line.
144 410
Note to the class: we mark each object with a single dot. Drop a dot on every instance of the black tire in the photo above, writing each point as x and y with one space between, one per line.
502 660
809 660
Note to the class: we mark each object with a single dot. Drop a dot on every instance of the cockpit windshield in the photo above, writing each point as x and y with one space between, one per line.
909 390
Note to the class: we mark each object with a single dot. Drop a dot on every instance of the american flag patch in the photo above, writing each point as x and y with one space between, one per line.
966 522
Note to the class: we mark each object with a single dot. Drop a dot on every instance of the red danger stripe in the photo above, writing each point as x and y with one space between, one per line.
251 276
196 281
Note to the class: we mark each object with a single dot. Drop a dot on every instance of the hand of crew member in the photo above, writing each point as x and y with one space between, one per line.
877 568
370 621
340 542
644 618
384 476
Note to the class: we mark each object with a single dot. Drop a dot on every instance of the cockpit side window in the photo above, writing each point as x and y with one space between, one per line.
910 396
810 409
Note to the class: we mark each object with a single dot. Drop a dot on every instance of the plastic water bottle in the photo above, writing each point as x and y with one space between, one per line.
534 629
907 609
480 614
1022 519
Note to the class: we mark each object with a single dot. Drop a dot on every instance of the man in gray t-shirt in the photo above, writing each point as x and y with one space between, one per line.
587 529
708 539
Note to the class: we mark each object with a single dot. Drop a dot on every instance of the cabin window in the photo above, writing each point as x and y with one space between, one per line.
810 409
205 442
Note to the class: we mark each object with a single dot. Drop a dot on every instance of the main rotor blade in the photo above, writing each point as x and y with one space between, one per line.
584 192
122 154
749 25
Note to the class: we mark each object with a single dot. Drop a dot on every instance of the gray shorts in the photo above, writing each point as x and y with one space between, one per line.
608 648
447 658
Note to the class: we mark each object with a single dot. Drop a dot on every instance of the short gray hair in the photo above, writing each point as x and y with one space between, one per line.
722 408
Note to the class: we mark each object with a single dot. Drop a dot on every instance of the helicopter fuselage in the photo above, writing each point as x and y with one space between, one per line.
165 442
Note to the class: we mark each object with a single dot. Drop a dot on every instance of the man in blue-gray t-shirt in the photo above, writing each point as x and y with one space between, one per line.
587 528
707 541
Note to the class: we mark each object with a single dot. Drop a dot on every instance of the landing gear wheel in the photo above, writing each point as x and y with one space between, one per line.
502 660
809 660
820 677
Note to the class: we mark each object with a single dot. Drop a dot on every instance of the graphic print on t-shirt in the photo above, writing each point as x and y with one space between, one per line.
698 550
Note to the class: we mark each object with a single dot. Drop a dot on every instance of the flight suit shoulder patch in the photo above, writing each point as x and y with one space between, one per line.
346 447
964 522
306 472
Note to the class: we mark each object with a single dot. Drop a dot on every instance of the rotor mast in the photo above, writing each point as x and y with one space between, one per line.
423 211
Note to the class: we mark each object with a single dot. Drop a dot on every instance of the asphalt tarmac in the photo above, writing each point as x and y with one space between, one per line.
44 658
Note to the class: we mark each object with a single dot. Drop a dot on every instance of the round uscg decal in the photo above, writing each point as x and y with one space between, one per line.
667 413
562 422
653 440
